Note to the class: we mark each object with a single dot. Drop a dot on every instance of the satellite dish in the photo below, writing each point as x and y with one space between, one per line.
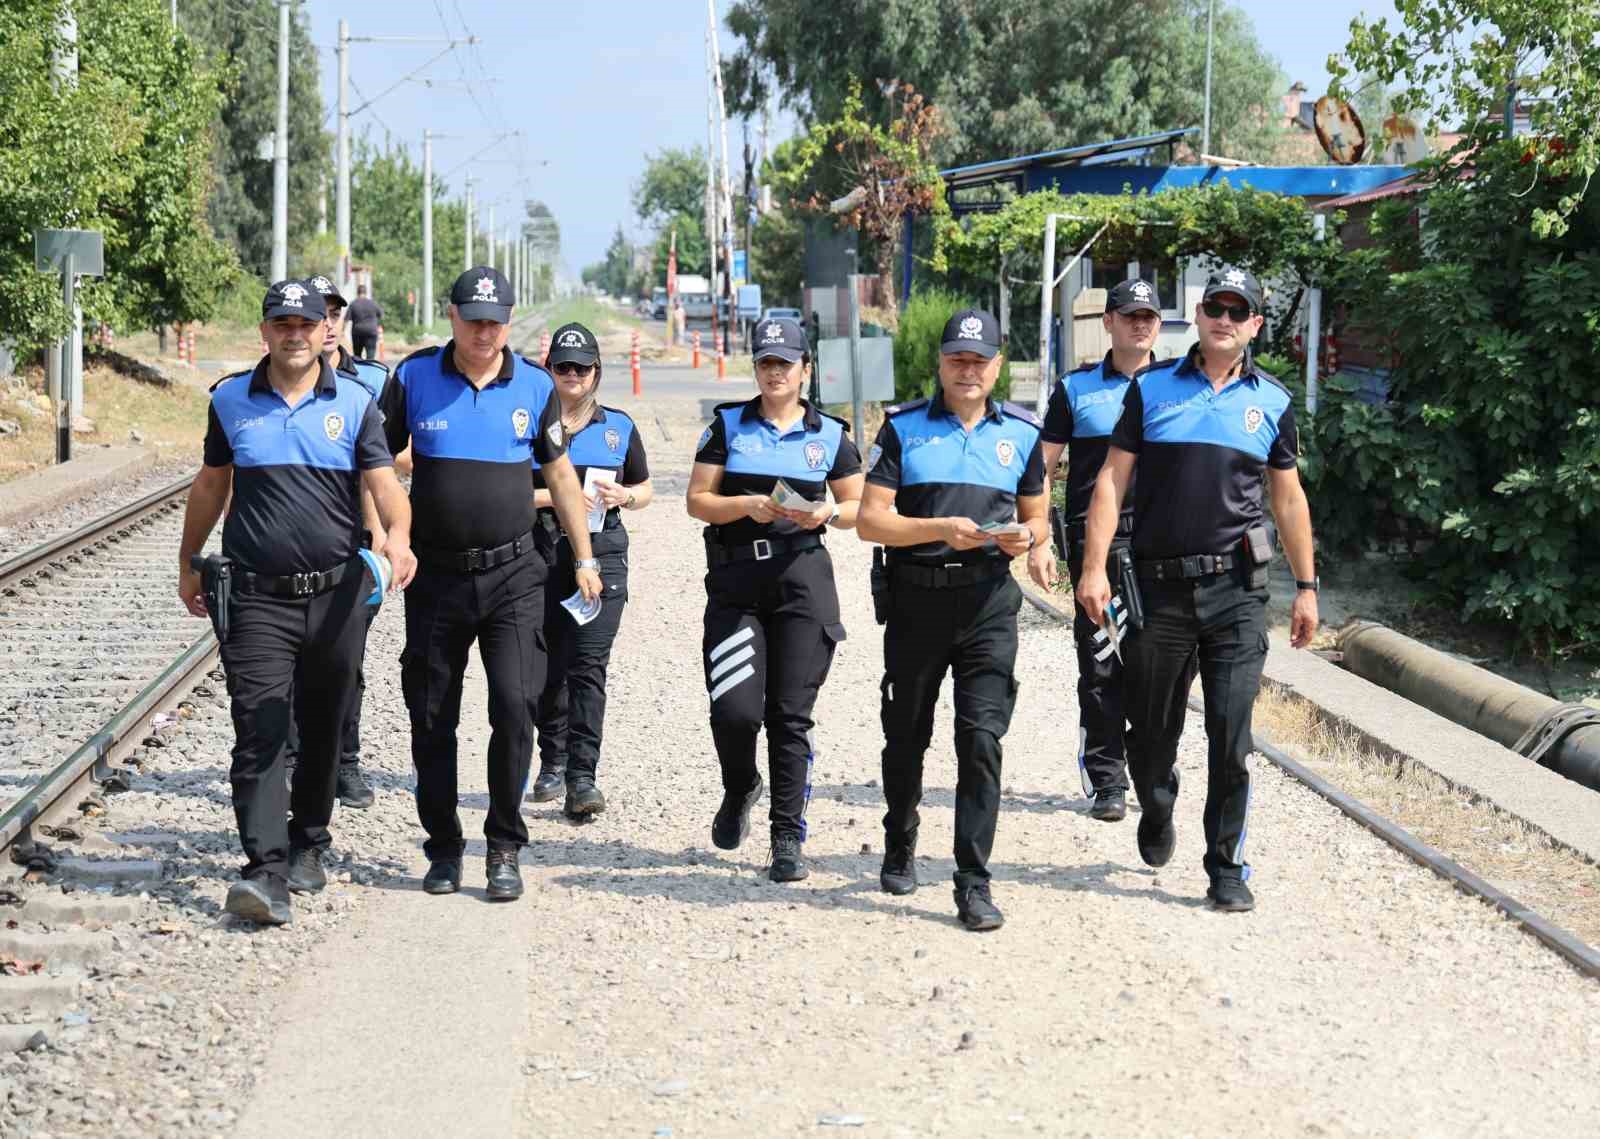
1404 142
1339 130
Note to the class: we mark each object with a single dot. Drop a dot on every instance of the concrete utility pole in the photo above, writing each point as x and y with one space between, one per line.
1205 131
727 189
427 230
280 154
468 265
64 370
341 152
488 236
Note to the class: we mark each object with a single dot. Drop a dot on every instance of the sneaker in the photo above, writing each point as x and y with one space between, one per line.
732 822
443 877
583 799
548 785
899 873
786 863
976 908
263 900
505 880
1231 896
1157 838
306 875
1110 805
354 790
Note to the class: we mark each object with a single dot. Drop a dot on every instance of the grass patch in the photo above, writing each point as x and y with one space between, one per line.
1516 856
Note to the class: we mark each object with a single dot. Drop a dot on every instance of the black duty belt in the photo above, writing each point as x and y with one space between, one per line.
1186 568
478 559
949 575
1077 531
761 550
294 584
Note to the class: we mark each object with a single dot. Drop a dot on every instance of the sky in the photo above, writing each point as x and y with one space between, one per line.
595 85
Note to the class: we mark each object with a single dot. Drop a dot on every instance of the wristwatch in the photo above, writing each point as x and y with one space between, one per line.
834 517
587 563
1313 585
628 505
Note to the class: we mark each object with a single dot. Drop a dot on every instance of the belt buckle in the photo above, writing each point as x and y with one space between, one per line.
303 584
762 548
1193 566
472 559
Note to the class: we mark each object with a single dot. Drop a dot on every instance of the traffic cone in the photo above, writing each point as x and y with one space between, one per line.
695 359
634 361
722 365
380 344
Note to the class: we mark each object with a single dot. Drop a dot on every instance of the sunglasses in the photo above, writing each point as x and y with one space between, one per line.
1236 313
570 369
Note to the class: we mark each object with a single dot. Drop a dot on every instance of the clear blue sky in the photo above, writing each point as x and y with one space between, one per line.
596 84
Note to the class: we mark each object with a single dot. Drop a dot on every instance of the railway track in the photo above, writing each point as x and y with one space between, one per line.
97 647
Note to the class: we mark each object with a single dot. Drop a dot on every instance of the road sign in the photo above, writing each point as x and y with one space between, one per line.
877 368
741 266
52 247
749 302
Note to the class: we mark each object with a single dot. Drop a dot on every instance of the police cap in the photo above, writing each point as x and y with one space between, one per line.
573 344
1132 296
971 330
293 298
329 291
1237 281
483 293
779 337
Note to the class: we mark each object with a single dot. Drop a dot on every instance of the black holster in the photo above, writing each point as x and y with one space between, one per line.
216 582
880 586
1126 583
1058 532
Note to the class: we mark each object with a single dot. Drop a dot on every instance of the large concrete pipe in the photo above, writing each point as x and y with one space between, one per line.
1475 698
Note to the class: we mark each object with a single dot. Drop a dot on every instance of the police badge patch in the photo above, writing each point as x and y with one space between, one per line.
1005 450
613 439
1253 417
520 420
705 437
874 453
815 453
333 426
555 433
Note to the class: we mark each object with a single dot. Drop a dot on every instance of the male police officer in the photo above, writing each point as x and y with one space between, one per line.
945 479
365 316
1082 410
293 444
1203 429
476 414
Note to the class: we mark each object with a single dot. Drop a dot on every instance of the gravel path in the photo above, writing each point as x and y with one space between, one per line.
670 989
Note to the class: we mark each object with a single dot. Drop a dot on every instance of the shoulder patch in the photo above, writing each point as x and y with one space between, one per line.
1019 411
909 405
230 376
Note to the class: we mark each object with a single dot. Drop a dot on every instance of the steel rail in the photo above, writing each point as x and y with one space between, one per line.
30 562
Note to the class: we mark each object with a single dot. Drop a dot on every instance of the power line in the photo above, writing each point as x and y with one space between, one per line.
366 106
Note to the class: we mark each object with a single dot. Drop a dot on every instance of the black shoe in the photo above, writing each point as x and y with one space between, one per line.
354 790
306 875
976 908
548 785
443 877
1157 837
1110 805
584 799
733 817
899 873
505 880
263 900
786 863
1231 895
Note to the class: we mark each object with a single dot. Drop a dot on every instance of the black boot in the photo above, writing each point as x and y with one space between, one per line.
263 900
899 872
306 875
505 880
733 817
1231 895
976 908
787 864
1157 837
548 785
354 790
1110 805
443 877
583 798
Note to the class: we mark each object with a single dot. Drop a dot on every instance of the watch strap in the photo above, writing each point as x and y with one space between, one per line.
1314 585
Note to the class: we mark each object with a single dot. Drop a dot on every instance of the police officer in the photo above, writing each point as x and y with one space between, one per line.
607 453
365 316
294 445
476 416
1083 409
772 612
1208 432
955 489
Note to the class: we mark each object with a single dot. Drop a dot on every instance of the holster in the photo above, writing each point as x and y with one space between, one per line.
216 582
880 586
1058 532
1258 545
1126 583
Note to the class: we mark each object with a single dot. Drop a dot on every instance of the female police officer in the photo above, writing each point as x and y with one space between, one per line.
772 613
608 456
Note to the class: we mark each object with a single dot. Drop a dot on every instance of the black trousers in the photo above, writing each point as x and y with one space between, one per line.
350 751
503 610
364 344
1101 720
970 631
770 632
572 708
1218 622
289 659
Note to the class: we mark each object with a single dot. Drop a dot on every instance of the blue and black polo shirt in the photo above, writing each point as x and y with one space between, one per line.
939 469
368 373
1082 411
296 470
610 441
472 450
754 455
1202 454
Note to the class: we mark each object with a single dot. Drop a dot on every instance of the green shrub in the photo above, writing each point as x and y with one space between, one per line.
916 344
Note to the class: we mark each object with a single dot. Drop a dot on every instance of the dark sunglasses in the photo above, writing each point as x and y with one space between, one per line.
1236 313
570 369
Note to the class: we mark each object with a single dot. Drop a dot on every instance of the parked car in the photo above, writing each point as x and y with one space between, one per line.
781 314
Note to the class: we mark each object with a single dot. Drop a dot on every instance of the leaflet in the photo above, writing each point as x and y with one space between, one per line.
582 611
1001 528
785 497
592 478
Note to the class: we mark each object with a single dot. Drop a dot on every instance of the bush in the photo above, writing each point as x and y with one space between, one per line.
916 344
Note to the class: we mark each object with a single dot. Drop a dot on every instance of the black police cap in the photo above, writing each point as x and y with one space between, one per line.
329 291
971 330
482 293
293 298
1240 282
573 344
780 337
1132 296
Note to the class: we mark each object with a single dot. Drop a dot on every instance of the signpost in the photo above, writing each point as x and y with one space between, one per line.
72 253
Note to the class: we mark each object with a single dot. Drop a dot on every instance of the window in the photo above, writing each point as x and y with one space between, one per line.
1106 275
1165 277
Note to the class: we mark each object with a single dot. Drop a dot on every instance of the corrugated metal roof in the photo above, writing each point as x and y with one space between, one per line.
1398 188
1071 156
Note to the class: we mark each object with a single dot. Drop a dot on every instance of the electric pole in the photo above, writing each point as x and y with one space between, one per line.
1205 131
427 230
468 265
280 154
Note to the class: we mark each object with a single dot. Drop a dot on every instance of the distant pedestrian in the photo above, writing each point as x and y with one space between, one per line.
365 316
